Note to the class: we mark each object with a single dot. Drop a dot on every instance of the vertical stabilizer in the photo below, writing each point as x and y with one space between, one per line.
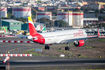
98 32
32 29
4 30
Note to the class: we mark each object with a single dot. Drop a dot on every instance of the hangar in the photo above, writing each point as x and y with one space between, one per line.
12 24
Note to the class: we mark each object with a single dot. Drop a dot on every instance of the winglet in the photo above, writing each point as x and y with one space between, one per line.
98 32
32 29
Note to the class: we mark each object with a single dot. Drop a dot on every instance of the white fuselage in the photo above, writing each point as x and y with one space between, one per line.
59 36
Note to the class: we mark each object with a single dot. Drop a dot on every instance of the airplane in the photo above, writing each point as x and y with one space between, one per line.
78 36
3 31
58 37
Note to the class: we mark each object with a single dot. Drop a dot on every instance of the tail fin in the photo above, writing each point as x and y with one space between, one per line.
4 30
98 32
32 29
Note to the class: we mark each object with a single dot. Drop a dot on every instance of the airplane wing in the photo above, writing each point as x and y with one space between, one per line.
93 36
71 40
88 37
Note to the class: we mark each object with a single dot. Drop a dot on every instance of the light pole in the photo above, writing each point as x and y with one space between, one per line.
58 24
68 16
46 23
101 23
68 13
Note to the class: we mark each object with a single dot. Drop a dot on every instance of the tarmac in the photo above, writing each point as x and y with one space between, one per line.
42 62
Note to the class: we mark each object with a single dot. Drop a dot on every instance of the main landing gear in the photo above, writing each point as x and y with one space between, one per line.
67 47
47 47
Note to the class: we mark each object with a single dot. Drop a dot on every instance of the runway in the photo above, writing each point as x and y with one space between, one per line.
69 63
45 63
16 47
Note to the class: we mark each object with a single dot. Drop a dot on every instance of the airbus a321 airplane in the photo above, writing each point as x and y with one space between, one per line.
78 36
58 37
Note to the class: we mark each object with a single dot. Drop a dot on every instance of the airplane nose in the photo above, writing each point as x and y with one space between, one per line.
29 37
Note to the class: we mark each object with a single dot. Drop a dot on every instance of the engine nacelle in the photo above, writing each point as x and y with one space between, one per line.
79 43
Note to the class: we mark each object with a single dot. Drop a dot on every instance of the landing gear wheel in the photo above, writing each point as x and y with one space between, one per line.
47 47
67 48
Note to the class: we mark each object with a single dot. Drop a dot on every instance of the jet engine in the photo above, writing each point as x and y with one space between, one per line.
79 43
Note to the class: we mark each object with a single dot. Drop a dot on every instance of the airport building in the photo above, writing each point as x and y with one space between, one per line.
88 21
12 24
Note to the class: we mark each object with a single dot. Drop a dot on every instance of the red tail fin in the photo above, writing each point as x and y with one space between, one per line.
98 32
4 30
32 29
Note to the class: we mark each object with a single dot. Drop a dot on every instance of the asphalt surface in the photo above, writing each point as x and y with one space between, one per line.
16 47
44 63
57 64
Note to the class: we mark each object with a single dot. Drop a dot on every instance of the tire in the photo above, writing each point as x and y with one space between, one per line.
47 47
67 48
